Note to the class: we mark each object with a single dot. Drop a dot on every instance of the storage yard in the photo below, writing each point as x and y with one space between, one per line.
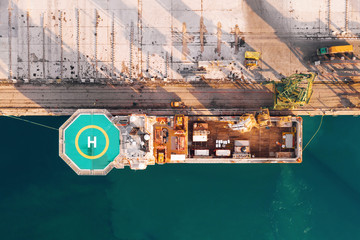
139 56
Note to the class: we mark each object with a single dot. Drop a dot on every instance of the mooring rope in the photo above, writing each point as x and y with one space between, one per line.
314 133
28 121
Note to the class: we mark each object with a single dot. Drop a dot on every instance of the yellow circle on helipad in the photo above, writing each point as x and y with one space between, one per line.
77 142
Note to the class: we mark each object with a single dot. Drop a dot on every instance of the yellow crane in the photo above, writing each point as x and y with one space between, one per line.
263 118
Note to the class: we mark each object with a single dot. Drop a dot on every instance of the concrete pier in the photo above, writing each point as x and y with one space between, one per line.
58 56
200 99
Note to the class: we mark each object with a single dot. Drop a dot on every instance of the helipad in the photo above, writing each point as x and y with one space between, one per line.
89 142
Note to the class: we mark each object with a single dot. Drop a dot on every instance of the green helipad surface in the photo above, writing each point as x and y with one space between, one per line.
92 141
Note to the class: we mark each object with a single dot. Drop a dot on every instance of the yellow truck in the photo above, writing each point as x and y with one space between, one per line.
335 49
177 104
252 59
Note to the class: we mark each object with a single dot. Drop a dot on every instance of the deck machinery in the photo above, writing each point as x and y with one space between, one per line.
293 91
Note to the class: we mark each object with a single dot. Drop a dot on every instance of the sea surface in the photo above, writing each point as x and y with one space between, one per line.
42 198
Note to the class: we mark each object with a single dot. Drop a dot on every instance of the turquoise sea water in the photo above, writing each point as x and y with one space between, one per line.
42 198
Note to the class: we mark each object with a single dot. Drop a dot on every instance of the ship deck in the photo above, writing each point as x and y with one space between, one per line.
262 140
168 140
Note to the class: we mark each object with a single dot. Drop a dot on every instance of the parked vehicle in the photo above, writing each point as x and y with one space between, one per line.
335 49
177 104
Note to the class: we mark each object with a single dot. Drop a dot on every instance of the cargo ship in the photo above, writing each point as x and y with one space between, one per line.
92 142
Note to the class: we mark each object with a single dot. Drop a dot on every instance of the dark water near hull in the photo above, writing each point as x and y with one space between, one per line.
42 198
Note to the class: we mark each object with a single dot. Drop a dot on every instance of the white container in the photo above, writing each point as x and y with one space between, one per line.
201 152
222 152
177 157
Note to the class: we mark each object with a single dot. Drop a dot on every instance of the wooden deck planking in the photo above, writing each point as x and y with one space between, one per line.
262 141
